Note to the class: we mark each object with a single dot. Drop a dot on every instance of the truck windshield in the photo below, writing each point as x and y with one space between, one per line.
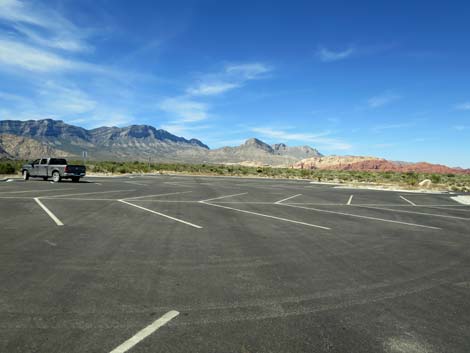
57 161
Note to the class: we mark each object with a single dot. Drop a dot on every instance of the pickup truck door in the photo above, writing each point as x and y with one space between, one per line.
42 168
34 167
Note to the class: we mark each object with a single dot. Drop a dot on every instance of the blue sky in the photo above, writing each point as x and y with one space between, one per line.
382 78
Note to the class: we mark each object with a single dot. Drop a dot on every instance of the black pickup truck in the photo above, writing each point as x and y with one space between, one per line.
55 168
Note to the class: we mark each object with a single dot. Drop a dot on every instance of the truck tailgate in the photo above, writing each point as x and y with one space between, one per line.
76 169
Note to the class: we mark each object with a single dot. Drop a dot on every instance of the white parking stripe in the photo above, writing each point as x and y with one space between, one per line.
350 199
135 183
414 212
25 191
156 195
54 218
265 215
359 216
147 331
224 197
161 214
89 193
179 184
410 202
288 198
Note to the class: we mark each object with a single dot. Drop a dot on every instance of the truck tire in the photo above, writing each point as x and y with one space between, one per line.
75 179
56 176
25 175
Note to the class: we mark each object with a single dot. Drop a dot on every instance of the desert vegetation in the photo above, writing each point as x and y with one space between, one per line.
453 182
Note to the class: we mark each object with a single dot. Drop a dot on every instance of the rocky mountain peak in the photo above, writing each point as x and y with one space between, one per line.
139 131
254 142
279 146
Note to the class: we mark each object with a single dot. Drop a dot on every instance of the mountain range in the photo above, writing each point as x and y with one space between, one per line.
35 138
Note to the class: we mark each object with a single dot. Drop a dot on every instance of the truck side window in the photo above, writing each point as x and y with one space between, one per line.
44 161
35 162
57 161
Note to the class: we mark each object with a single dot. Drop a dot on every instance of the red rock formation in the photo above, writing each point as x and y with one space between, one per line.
359 163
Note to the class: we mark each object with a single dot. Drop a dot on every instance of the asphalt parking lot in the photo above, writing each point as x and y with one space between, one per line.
200 264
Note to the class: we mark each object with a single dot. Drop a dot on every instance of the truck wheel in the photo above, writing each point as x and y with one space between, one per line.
56 177
25 175
75 179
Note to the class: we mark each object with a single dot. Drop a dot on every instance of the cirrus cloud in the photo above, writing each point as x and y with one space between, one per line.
320 140
328 55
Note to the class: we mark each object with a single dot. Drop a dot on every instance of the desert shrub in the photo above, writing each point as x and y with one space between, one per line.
7 168
436 178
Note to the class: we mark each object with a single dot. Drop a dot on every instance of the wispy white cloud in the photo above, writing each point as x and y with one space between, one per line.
56 100
463 106
231 77
189 108
11 97
382 100
38 39
248 71
51 100
185 129
32 59
210 89
56 42
42 26
39 47
327 55
64 100
184 109
105 117
320 140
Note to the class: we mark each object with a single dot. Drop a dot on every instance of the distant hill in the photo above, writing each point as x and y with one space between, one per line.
360 163
259 152
35 138
12 146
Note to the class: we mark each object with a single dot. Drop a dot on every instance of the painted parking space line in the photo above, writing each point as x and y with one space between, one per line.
410 202
162 214
50 214
76 198
145 332
135 183
50 242
26 191
265 215
287 198
157 195
415 212
224 197
350 200
374 204
90 193
360 216
179 184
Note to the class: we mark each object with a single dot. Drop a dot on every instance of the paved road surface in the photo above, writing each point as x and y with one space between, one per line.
199 264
